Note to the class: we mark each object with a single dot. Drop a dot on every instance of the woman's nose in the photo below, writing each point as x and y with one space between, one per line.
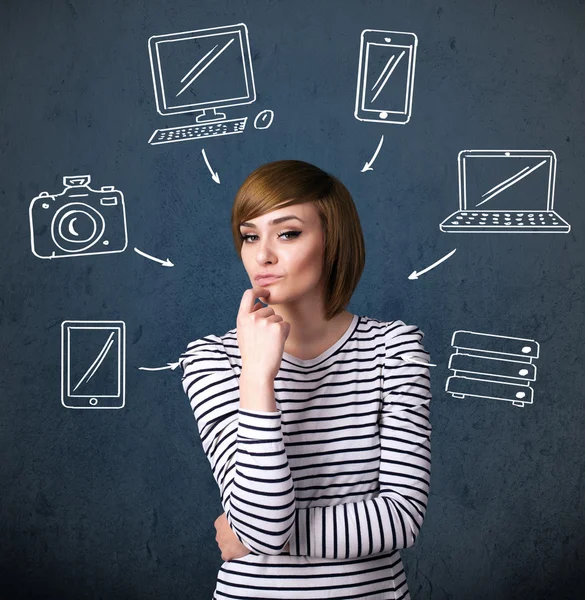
265 252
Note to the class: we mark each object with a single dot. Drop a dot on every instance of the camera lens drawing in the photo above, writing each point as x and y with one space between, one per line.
78 221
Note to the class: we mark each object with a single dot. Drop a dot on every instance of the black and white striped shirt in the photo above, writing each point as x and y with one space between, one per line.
341 470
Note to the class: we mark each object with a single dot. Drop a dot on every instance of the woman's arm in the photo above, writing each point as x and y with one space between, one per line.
244 447
393 519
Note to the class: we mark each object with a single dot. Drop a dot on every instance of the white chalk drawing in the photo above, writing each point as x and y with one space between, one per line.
506 191
492 366
93 364
385 81
171 366
214 174
200 71
163 263
416 274
79 221
408 358
264 119
368 164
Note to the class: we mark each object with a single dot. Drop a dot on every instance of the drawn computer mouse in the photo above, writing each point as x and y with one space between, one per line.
264 119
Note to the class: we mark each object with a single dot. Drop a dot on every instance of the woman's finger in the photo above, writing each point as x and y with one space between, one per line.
249 298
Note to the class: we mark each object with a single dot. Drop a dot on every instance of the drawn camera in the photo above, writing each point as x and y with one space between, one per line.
80 221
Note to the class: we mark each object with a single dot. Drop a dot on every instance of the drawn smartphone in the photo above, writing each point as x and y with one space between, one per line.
93 364
385 80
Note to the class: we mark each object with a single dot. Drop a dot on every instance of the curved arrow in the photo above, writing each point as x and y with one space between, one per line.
418 362
415 274
367 166
172 366
164 263
214 175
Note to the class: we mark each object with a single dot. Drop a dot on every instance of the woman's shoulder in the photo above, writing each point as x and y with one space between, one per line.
397 334
394 328
207 348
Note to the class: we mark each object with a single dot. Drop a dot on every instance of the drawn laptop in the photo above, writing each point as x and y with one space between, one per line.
506 191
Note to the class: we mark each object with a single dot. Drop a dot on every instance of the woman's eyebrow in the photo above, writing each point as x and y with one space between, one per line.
274 221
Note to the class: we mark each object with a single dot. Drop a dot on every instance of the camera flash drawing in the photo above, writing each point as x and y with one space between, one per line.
506 191
200 71
79 221
93 364
385 81
492 366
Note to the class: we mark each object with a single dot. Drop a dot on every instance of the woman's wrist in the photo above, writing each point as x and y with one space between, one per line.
257 391
256 376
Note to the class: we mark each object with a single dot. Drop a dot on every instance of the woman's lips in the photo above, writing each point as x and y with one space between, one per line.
266 280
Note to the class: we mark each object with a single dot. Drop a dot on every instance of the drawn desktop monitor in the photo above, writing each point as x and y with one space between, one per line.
506 191
200 71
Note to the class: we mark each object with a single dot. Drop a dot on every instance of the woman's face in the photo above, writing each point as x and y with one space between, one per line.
291 249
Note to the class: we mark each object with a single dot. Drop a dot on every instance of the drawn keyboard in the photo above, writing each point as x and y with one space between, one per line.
501 221
200 130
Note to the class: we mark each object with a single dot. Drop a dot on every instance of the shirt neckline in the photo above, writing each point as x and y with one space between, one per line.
309 362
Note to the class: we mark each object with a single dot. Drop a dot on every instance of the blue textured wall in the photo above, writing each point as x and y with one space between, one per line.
120 504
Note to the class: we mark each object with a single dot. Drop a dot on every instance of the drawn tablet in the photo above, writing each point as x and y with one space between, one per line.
93 364
385 76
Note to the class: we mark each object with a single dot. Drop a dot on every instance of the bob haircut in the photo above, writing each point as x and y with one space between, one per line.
288 182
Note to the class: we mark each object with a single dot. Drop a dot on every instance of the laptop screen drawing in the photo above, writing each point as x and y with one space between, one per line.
506 183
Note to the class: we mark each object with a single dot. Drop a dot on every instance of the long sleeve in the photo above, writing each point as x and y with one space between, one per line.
393 519
245 449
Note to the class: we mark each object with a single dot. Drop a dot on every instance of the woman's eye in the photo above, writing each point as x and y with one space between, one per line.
294 234
245 237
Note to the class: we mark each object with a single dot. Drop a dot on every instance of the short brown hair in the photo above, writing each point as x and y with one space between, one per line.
287 182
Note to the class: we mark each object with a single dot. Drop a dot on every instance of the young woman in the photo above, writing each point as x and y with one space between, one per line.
315 421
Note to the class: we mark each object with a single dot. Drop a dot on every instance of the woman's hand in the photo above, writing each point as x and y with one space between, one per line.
261 335
226 539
